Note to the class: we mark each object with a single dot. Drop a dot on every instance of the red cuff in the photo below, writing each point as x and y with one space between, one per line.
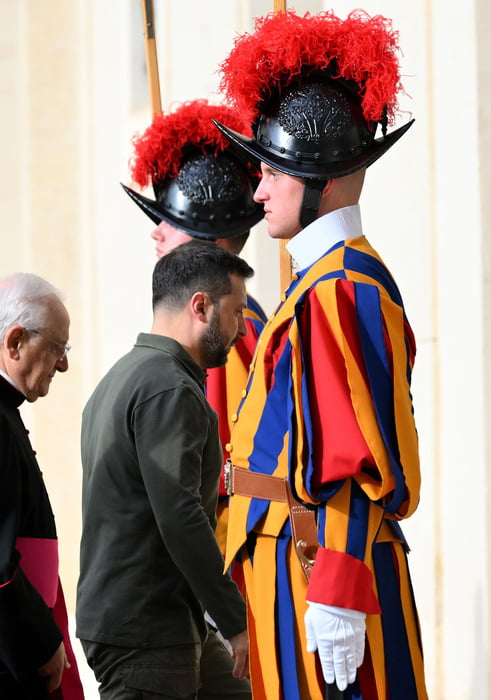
342 580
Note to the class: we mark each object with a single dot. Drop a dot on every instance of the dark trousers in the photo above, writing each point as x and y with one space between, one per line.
187 672
216 678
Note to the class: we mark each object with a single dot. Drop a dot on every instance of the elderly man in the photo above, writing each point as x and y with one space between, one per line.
35 653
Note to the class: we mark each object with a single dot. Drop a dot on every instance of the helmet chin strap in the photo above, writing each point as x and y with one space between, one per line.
312 194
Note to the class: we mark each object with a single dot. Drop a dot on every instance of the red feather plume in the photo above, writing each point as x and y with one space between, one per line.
158 151
283 44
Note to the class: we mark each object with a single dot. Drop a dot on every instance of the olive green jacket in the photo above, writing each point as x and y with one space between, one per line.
151 461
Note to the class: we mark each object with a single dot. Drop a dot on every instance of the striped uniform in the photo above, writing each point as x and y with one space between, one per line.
224 387
328 405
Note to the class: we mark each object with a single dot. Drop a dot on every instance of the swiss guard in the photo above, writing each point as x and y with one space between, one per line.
324 452
203 189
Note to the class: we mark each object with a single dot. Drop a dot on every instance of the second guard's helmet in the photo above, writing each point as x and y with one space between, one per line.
201 185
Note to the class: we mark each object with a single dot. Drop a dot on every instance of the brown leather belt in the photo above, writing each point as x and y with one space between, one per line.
273 488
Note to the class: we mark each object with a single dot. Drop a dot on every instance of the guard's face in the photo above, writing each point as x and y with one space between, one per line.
281 195
226 325
167 238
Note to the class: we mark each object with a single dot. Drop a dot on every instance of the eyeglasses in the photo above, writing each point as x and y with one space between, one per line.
64 348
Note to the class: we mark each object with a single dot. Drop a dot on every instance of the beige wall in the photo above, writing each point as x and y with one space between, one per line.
73 91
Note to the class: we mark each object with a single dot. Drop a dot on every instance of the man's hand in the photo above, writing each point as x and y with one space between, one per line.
53 668
240 648
338 635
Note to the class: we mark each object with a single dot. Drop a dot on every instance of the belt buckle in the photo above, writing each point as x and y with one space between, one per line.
227 476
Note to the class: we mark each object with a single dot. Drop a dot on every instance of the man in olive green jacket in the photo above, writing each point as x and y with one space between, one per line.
151 458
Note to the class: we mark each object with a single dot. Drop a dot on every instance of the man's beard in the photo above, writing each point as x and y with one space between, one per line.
214 349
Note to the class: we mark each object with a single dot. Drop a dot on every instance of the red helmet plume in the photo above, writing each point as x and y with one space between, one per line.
158 152
285 47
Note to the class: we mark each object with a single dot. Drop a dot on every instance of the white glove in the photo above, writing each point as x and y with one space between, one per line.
338 635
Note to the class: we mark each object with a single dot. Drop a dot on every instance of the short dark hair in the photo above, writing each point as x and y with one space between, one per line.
195 266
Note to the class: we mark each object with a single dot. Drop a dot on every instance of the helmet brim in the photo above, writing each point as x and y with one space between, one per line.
321 169
197 229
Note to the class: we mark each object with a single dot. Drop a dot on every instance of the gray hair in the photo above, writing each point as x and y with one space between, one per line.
23 300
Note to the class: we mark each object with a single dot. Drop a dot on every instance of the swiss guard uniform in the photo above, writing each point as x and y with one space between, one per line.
324 451
205 189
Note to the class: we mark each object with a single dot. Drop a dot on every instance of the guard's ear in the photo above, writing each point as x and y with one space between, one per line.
328 188
14 339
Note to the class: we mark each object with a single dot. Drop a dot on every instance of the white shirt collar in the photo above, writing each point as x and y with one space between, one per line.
6 376
319 236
